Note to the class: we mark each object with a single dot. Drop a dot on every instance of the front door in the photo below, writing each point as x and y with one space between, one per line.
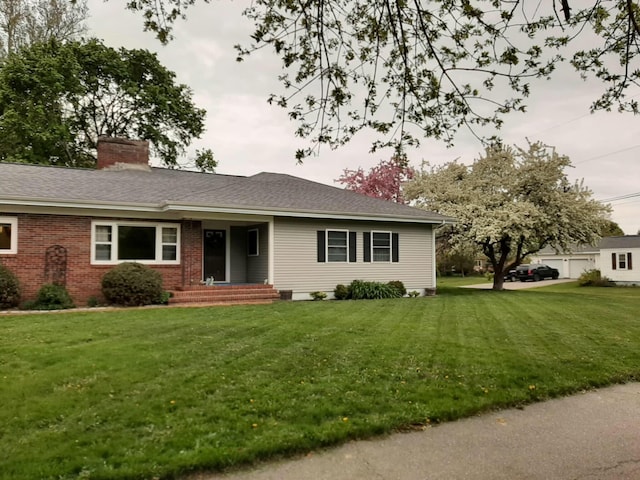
215 255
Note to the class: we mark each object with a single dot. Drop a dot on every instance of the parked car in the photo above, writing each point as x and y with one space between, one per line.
536 272
511 276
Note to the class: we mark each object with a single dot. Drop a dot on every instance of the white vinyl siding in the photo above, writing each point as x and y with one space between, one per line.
630 274
238 254
258 266
296 265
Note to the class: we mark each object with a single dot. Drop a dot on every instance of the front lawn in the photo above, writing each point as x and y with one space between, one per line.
460 281
160 392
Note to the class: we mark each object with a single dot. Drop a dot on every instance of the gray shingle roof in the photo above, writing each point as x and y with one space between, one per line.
628 241
159 187
573 248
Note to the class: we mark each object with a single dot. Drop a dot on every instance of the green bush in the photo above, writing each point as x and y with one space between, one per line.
341 292
361 289
93 302
399 286
52 297
9 288
132 284
593 278
318 295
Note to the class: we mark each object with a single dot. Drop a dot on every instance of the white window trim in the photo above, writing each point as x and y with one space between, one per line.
390 246
326 246
626 261
114 242
13 248
257 254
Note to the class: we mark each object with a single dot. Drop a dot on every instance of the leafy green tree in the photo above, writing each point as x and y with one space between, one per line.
408 69
25 22
511 203
611 229
56 99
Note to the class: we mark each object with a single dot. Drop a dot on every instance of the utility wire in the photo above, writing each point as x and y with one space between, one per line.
621 197
608 154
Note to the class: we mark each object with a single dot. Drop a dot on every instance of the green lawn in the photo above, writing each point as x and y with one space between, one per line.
160 392
459 281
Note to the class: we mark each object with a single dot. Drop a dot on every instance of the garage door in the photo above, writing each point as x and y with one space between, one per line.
577 266
555 263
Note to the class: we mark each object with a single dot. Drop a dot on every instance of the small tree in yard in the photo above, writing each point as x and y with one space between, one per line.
511 202
383 181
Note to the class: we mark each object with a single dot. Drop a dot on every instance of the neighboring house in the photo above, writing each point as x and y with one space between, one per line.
72 225
613 256
570 264
616 258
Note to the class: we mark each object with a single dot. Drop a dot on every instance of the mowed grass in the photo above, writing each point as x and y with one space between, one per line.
157 393
460 281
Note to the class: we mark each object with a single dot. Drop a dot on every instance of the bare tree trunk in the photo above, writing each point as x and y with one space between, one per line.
498 280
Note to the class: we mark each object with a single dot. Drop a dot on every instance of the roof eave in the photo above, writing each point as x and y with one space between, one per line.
226 209
283 212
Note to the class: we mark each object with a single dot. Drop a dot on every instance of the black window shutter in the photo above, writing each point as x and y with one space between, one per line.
613 261
629 266
395 254
366 238
352 247
321 246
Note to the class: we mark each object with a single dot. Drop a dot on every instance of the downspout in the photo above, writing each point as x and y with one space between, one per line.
271 248
433 254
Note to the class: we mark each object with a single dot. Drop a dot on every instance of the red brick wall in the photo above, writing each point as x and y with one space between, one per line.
38 232
191 252
120 150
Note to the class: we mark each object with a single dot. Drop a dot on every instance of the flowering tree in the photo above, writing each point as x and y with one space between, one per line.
383 181
511 203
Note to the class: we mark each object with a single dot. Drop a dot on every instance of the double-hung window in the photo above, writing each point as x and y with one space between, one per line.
114 242
381 247
8 235
621 261
336 246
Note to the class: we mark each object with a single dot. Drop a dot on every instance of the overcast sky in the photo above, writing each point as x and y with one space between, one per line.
249 136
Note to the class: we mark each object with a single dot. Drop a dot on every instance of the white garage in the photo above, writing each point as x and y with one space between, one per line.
577 266
569 264
554 263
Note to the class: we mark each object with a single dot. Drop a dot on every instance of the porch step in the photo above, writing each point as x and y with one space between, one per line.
223 294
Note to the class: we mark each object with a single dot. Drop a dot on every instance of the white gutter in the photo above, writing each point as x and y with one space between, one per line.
178 208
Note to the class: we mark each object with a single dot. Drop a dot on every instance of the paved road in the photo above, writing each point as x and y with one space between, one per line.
521 285
589 436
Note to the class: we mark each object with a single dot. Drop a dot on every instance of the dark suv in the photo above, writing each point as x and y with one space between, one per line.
536 272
